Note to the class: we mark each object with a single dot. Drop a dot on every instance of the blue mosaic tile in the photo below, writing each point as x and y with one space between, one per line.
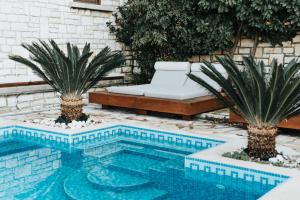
168 137
248 175
146 135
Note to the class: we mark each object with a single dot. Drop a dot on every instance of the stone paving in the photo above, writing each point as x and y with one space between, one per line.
199 125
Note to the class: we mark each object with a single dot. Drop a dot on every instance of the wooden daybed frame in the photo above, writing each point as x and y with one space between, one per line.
292 123
141 104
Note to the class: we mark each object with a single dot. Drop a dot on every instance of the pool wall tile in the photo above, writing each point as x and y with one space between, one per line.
140 134
169 138
248 175
6 131
19 169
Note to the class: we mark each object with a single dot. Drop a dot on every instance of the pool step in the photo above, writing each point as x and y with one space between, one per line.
156 154
175 165
104 178
78 187
132 162
161 147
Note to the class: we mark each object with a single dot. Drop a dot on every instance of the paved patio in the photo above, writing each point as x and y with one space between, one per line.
199 125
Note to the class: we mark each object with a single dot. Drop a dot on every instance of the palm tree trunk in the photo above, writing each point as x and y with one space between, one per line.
255 45
237 38
71 108
262 142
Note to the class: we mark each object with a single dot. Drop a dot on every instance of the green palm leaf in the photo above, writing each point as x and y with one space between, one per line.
262 99
70 73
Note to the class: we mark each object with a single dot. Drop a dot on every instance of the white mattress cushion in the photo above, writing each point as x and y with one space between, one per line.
178 93
170 73
196 70
169 78
131 90
172 66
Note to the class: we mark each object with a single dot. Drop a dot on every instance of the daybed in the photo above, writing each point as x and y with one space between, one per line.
170 91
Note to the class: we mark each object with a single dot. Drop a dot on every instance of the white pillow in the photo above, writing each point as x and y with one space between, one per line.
196 70
170 73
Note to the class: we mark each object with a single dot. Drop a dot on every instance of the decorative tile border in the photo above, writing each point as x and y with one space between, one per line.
169 138
6 131
38 134
234 172
112 132
98 134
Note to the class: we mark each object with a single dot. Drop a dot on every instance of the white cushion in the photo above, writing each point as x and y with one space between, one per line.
131 90
196 70
169 78
172 66
170 73
178 93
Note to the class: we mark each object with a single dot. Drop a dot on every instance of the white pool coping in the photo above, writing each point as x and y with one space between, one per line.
290 189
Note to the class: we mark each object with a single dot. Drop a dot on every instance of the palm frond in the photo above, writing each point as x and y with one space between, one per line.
70 73
262 99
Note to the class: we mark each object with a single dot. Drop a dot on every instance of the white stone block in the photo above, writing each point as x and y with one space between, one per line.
3 102
22 171
272 50
11 163
11 101
25 98
23 105
45 152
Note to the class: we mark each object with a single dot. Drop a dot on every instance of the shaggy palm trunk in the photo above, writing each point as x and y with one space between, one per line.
262 142
71 108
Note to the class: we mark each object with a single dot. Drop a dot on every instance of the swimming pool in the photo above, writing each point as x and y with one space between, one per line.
119 162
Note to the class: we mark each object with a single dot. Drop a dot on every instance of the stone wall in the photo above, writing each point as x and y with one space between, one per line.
37 98
61 20
264 52
30 20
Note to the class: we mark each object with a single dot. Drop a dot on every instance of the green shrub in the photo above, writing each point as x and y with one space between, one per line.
169 30
261 20
177 30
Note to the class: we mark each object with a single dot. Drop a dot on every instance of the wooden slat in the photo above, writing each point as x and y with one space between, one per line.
292 123
181 107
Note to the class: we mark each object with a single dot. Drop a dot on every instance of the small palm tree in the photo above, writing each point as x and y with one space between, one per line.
71 75
262 99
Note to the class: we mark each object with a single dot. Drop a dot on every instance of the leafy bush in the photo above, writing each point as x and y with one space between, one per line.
169 30
262 20
177 30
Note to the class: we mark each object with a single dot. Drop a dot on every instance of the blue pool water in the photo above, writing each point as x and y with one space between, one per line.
118 168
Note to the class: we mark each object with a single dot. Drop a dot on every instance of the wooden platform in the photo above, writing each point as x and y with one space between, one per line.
292 123
141 104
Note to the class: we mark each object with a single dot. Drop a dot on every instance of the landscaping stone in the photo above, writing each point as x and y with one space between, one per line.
73 125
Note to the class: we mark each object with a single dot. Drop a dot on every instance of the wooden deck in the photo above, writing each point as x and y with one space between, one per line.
141 104
292 123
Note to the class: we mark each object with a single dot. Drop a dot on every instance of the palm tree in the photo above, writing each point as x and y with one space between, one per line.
262 99
71 75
